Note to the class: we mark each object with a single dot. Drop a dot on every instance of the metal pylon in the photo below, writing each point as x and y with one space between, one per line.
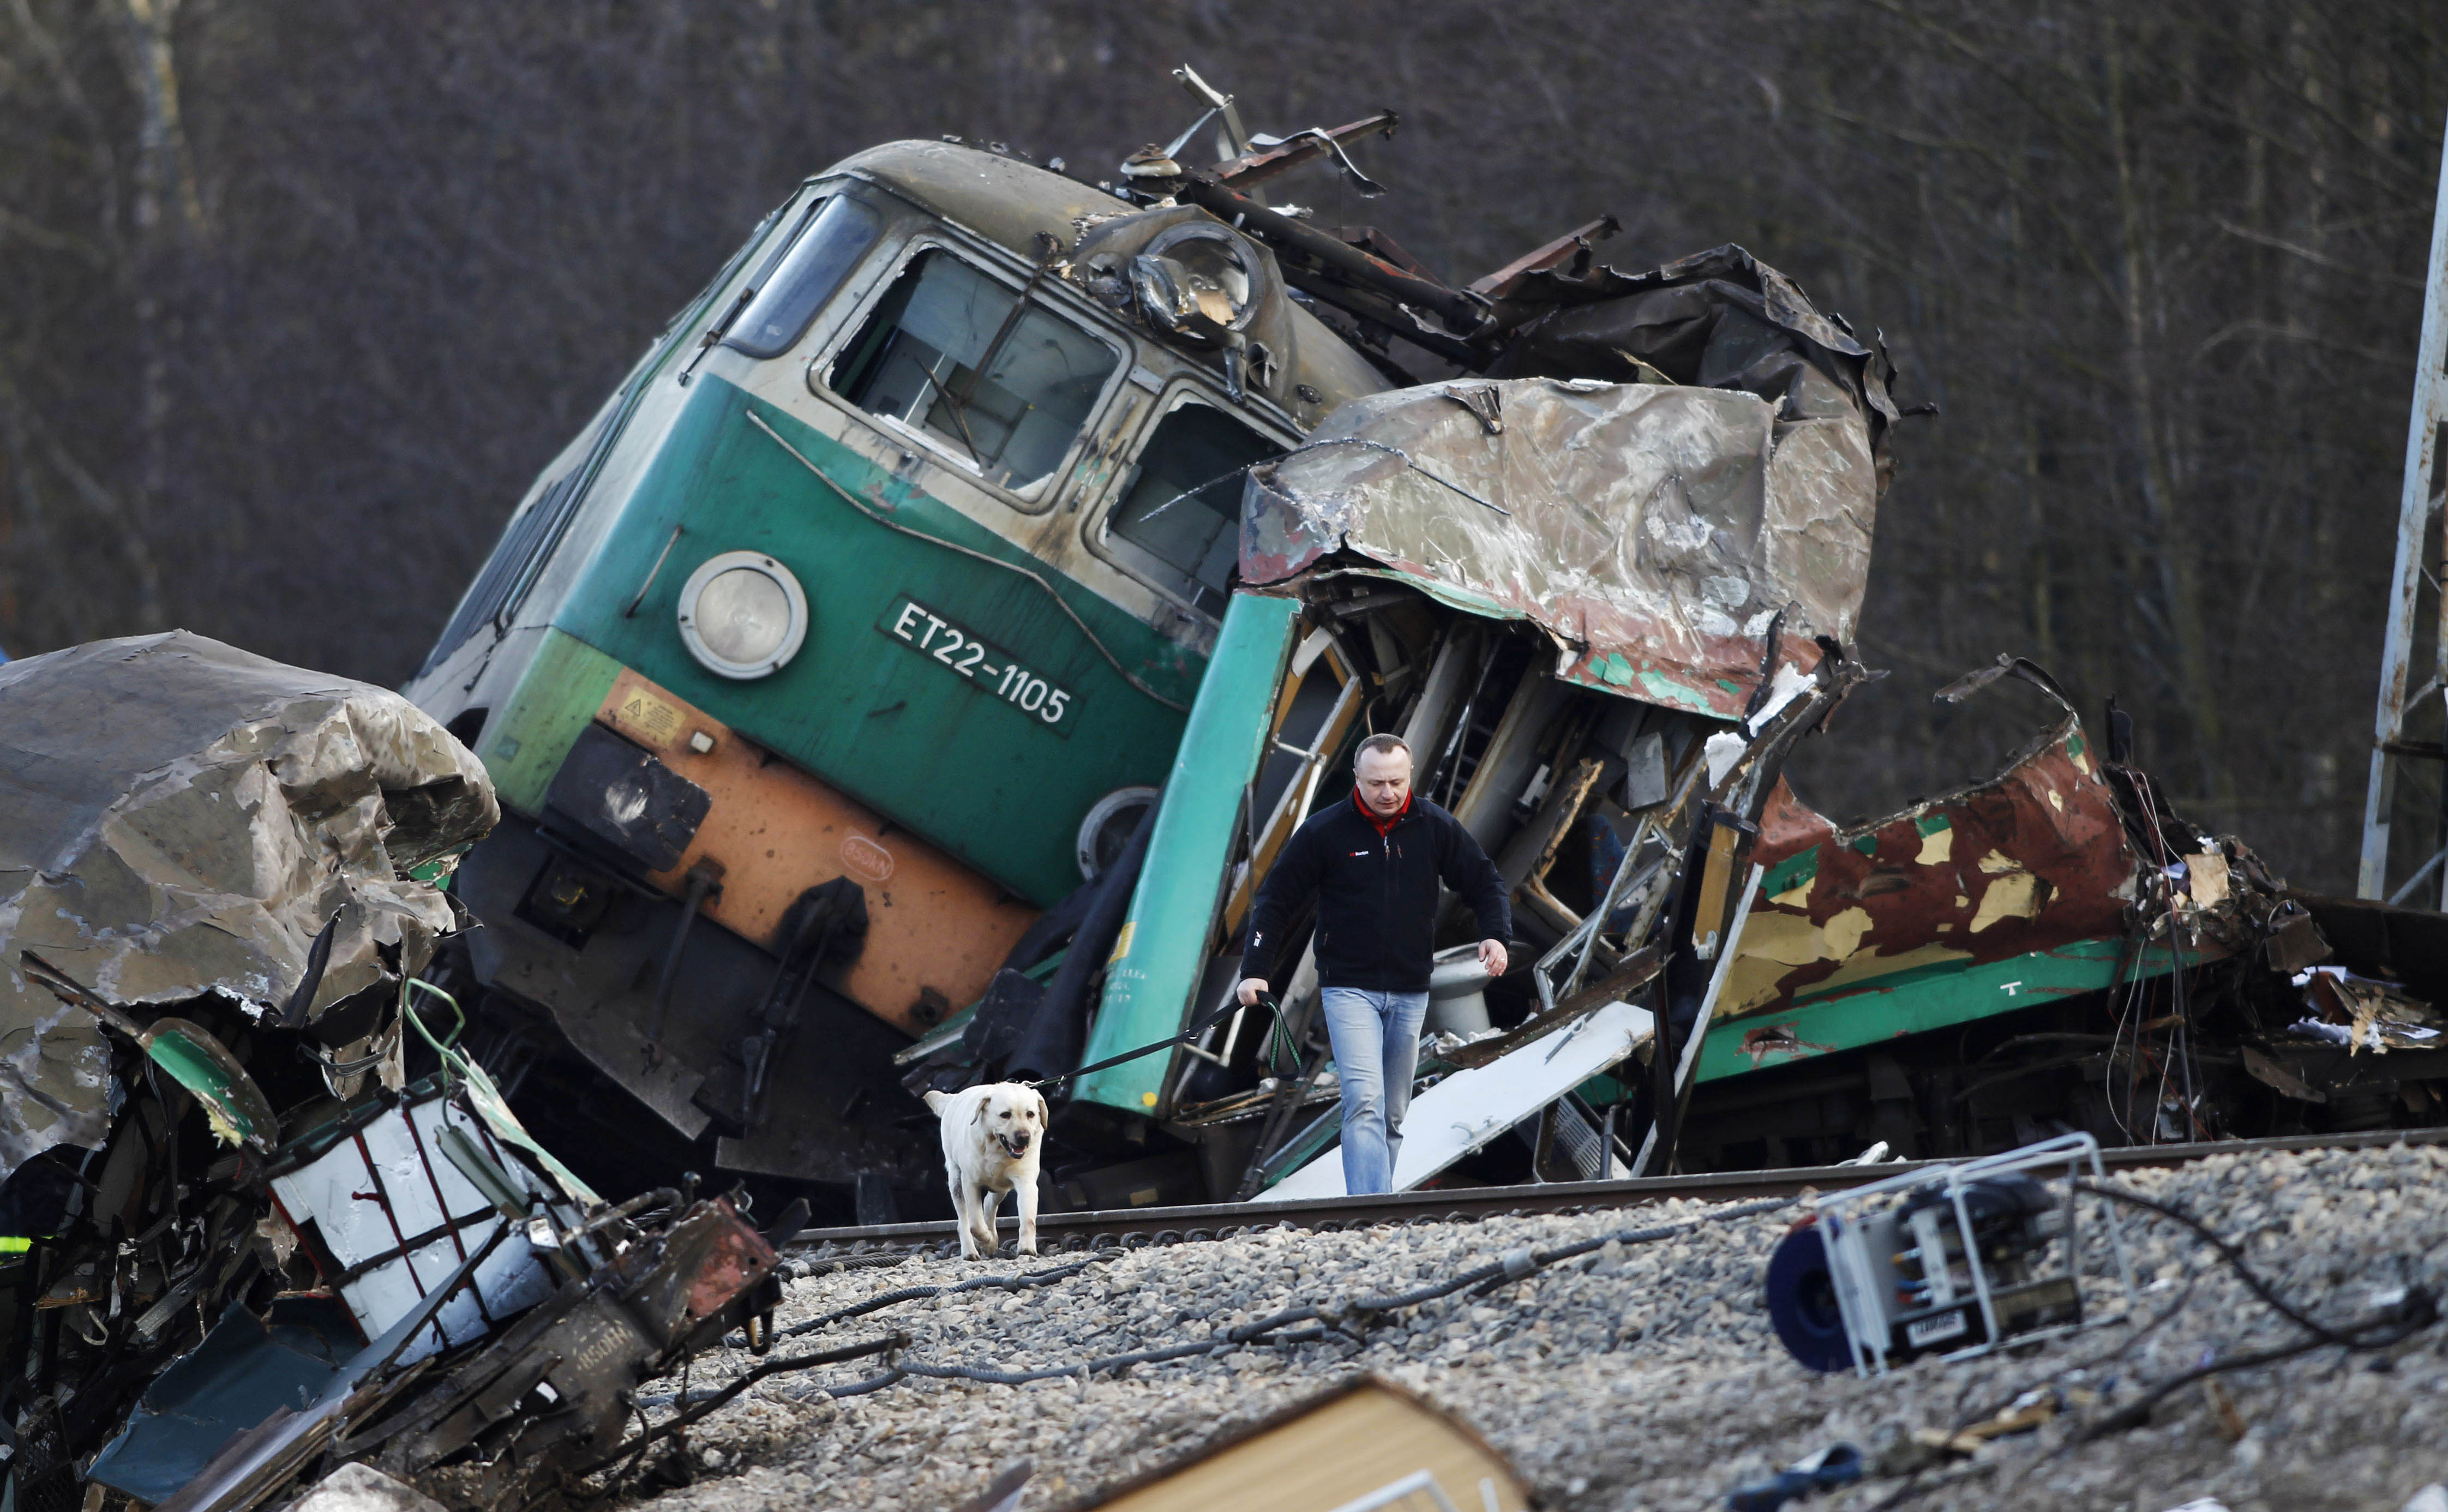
2419 501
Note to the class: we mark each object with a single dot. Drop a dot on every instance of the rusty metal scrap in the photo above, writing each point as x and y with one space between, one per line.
1269 156
574 1362
2178 965
2035 858
2068 843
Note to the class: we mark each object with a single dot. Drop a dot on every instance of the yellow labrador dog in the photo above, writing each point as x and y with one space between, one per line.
993 1136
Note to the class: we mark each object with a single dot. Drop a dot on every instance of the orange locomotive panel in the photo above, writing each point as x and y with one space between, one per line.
935 931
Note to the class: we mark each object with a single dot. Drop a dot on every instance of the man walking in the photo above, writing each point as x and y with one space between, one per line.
1374 864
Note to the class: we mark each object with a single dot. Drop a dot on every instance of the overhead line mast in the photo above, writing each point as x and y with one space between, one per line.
2419 502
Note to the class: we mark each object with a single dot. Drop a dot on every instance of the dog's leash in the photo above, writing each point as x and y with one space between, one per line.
1279 1038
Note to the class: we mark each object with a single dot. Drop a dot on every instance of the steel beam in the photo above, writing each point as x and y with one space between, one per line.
2415 507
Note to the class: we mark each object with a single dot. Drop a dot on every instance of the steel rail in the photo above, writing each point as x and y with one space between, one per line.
1133 1228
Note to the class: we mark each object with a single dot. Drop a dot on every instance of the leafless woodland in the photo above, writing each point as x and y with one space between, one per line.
299 293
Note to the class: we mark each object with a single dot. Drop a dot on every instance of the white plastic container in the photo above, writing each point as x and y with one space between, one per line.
387 1204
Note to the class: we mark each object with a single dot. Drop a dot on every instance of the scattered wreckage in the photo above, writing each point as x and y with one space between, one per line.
907 677
2054 949
270 1220
905 681
939 633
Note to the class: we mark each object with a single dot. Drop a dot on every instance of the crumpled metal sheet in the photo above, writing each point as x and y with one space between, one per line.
1654 529
180 817
2036 858
1719 318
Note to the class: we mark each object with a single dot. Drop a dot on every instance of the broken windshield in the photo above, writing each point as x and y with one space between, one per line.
918 360
1182 511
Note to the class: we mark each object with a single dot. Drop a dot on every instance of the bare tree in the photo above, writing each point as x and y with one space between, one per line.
301 294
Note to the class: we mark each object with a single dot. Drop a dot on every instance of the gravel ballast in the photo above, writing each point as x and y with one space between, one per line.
1640 1376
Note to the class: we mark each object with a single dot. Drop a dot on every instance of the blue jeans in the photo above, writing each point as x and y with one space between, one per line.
1376 1038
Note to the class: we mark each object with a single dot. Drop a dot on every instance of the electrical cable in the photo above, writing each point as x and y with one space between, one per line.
1349 1321
919 1294
2384 1327
1514 1265
2377 1330
1965 1420
2233 1256
452 1060
728 1394
834 1264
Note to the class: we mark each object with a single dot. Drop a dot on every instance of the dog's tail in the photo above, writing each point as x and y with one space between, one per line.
938 1101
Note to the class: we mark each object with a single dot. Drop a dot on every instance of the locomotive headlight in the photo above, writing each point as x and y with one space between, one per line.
1198 281
742 614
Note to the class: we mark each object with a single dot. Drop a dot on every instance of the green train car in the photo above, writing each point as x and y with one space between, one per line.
852 633
911 671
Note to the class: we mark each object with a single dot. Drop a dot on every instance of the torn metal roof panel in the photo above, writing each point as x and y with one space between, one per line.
1654 530
2035 859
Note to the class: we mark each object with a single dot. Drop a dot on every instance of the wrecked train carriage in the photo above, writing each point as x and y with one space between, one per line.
185 823
829 673
857 630
2053 949
860 627
249 1246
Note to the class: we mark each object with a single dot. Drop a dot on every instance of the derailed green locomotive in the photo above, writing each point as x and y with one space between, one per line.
836 678
893 566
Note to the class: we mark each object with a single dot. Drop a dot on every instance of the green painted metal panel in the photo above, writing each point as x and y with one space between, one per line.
1163 950
1665 690
893 727
1930 997
1789 873
562 686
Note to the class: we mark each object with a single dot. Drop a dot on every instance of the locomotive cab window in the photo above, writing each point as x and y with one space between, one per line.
953 353
1180 520
831 238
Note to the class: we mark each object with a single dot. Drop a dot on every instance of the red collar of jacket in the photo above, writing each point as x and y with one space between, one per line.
1383 826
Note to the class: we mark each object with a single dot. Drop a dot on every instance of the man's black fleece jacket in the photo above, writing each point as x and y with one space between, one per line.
1376 894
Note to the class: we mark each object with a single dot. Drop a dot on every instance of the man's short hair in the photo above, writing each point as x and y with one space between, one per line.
1383 742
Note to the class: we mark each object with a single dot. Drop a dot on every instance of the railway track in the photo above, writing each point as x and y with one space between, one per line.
1132 1227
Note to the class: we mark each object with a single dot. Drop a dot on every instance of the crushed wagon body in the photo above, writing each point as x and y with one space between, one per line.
181 818
258 1236
1092 524
2034 861
2055 945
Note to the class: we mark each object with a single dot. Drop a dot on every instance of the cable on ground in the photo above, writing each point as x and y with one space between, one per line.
635 1447
919 1294
2381 1329
1349 1321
